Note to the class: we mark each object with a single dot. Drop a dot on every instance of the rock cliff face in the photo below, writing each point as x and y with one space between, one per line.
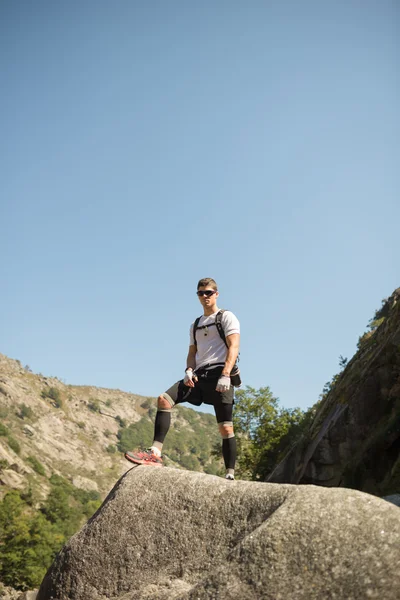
165 534
354 440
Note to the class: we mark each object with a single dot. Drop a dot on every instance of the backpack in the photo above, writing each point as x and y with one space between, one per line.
235 373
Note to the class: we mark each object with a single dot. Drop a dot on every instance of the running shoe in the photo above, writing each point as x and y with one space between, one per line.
144 457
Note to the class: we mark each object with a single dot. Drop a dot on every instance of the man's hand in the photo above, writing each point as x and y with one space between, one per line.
224 383
188 379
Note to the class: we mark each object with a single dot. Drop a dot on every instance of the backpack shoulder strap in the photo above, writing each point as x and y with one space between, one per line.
218 324
195 326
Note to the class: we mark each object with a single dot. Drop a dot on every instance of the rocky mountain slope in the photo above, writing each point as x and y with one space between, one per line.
354 439
49 427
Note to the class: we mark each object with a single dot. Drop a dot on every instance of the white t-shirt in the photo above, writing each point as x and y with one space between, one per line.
211 349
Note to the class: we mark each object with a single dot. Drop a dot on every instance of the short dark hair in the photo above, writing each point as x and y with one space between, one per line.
207 281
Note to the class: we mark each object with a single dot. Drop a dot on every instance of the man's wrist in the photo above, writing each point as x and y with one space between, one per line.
188 369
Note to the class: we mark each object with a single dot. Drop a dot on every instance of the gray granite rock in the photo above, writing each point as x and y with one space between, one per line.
171 534
29 595
8 593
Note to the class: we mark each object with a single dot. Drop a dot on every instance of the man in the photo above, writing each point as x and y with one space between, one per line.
207 379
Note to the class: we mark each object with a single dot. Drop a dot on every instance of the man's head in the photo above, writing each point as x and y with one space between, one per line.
207 282
207 293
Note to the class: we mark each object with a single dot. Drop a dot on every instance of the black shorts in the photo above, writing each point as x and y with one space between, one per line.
203 392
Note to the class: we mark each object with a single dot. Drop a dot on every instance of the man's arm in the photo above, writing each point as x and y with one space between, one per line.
190 366
233 343
191 358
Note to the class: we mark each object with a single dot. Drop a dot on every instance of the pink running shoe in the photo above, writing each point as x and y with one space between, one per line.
144 457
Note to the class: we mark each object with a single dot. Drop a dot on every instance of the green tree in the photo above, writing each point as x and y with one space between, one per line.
214 468
30 539
14 536
136 435
190 462
279 435
57 507
28 545
44 543
264 431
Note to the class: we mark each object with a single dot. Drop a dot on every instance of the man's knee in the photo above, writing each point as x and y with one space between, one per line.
163 403
226 430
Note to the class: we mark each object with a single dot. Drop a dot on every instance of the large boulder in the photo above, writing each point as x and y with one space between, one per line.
163 533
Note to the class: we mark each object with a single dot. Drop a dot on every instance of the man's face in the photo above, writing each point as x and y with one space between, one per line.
207 296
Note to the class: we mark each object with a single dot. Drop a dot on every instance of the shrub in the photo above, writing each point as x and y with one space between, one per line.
36 465
25 412
3 464
3 430
14 445
147 403
81 424
94 405
107 433
362 340
111 449
54 394
121 422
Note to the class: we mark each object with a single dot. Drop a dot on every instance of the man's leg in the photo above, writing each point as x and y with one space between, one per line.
176 394
162 423
228 447
223 413
152 457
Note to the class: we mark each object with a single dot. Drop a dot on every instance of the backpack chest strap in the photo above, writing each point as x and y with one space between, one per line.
205 326
217 323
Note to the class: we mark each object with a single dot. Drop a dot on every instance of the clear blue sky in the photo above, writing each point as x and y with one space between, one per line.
145 145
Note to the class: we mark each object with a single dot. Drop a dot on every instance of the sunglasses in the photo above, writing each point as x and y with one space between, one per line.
206 293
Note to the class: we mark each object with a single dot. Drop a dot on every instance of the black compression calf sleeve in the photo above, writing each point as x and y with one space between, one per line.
161 426
229 452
